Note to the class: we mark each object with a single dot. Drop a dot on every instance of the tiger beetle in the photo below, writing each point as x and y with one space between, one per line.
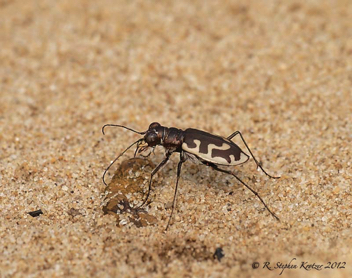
211 150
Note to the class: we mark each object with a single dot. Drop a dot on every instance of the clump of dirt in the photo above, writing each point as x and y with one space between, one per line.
128 182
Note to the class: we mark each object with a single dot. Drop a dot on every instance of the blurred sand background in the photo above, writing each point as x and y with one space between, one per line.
278 71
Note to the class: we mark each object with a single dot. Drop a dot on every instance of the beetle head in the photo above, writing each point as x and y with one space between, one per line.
154 134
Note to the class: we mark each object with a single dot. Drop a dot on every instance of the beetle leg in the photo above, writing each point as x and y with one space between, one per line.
256 161
156 169
215 167
233 135
137 148
182 160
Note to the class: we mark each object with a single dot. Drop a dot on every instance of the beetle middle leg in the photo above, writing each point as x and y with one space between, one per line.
256 161
215 167
182 160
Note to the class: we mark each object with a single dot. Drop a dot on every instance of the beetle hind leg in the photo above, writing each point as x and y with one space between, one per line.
256 161
254 192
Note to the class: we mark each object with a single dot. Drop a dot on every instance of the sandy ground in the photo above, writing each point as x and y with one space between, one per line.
278 71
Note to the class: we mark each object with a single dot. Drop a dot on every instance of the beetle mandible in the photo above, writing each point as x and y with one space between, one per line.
211 150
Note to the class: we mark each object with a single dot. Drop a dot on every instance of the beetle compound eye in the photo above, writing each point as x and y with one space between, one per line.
154 125
151 139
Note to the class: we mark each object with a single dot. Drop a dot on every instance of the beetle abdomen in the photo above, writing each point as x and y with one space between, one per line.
212 148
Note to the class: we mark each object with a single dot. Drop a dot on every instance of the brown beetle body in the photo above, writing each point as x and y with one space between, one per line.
212 150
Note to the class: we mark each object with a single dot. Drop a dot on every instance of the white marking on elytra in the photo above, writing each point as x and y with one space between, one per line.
218 159
224 147
223 161
194 150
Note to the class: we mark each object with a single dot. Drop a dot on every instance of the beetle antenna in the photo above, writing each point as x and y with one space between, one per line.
141 133
107 169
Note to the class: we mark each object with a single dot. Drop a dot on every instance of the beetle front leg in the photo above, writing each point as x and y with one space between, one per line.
156 169
256 161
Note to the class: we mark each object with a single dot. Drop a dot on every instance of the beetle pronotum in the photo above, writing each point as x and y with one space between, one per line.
211 150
